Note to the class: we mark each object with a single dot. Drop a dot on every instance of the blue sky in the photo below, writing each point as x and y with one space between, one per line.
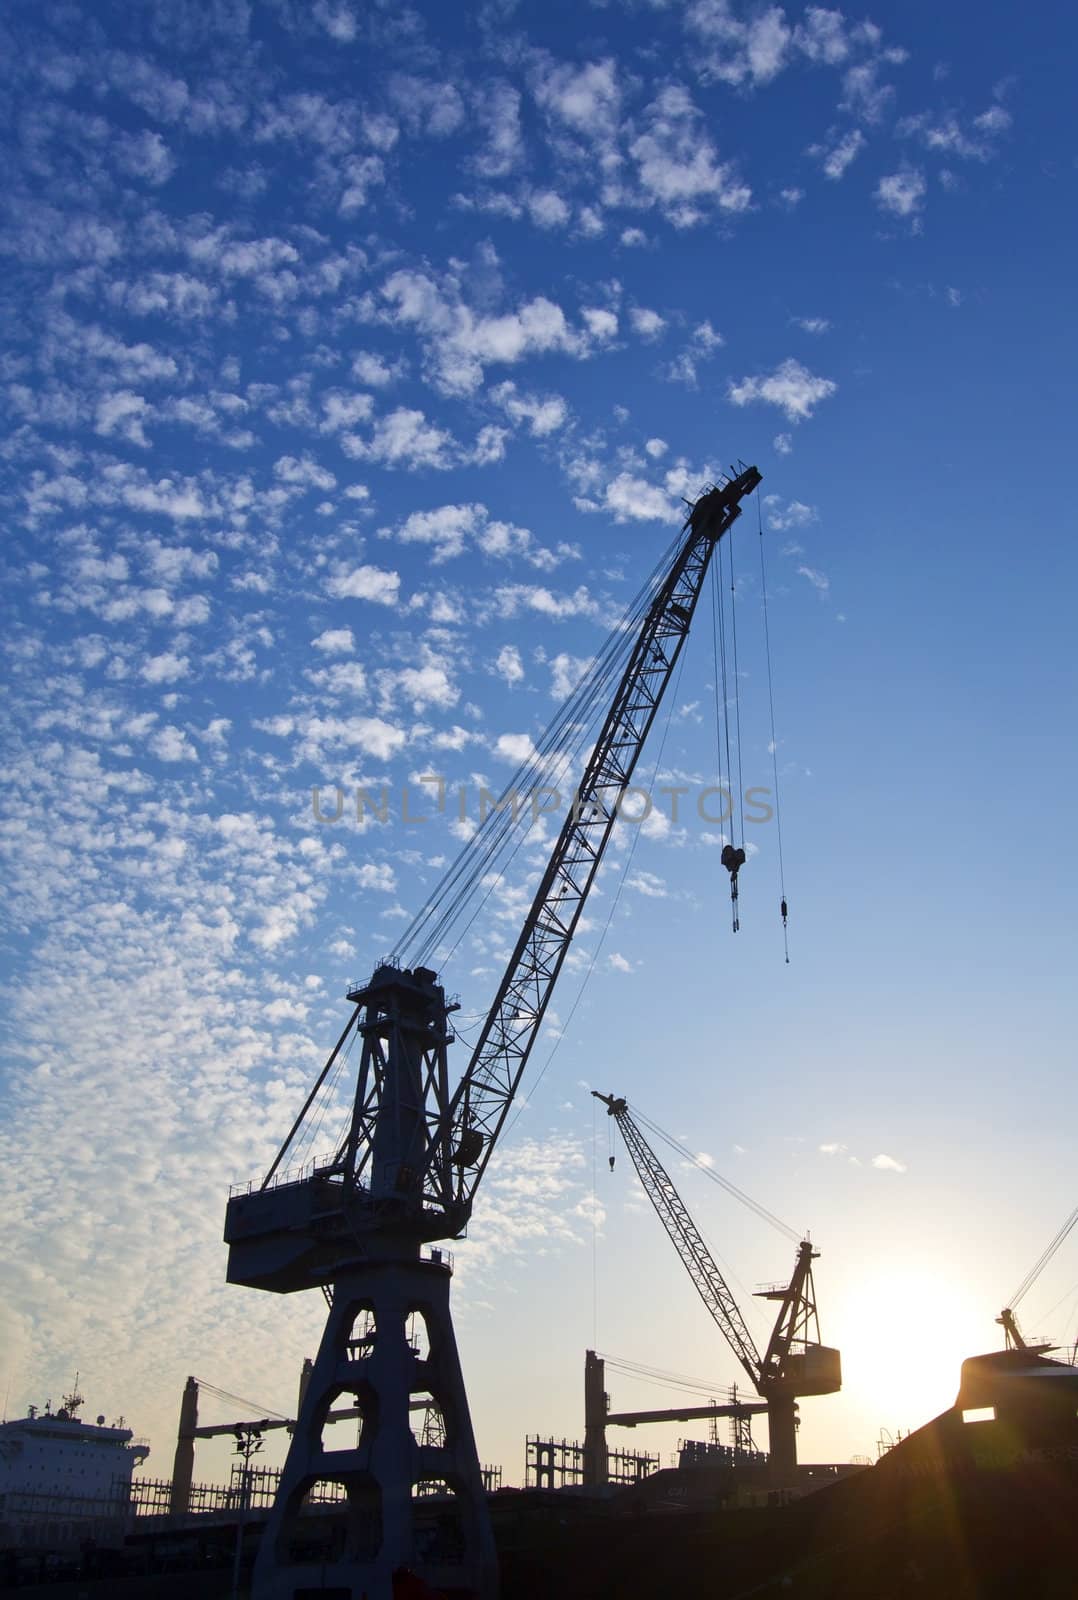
358 358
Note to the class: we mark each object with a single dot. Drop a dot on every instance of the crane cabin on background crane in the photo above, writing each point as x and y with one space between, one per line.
405 1173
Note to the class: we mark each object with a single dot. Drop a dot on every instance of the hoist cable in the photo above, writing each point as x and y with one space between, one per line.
737 691
477 873
719 706
468 869
716 1177
774 742
638 829
661 1377
716 600
304 1147
234 1399
1073 1290
1042 1261
589 701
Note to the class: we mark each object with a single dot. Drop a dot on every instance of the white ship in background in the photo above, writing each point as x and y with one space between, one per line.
63 1479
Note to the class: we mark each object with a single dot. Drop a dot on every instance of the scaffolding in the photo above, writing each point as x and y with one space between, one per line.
559 1463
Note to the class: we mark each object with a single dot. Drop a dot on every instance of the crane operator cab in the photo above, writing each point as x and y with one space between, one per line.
733 859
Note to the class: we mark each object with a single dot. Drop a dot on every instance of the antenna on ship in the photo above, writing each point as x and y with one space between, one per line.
71 1402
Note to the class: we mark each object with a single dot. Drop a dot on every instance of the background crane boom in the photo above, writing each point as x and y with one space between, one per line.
687 1239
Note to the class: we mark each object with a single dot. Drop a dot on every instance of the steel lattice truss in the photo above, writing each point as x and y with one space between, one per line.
689 1244
486 1092
798 1322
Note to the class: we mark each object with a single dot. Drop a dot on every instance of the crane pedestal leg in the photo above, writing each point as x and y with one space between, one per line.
782 1442
353 1547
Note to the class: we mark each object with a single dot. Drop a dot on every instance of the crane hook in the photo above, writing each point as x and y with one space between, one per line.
733 859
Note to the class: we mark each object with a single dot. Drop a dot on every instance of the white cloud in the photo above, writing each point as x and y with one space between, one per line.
543 414
460 343
822 37
863 94
566 672
304 473
122 413
338 20
169 744
833 1149
511 598
144 155
335 642
678 166
840 156
946 135
648 884
755 50
339 680
514 747
795 514
377 875
547 209
165 668
450 529
791 387
427 685
600 323
508 665
365 583
819 580
427 107
446 528
902 193
703 342
374 369
404 438
782 444
344 410
885 1163
633 499
361 174
498 113
647 323
586 99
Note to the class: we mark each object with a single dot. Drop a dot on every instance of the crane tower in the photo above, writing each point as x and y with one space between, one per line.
363 1226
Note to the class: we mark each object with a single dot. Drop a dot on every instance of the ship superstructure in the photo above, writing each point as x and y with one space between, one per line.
60 1476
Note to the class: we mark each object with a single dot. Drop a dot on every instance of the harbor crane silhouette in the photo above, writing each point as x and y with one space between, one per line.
794 1362
365 1225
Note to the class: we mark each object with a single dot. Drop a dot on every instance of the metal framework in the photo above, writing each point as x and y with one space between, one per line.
556 1463
407 1172
795 1363
598 1417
